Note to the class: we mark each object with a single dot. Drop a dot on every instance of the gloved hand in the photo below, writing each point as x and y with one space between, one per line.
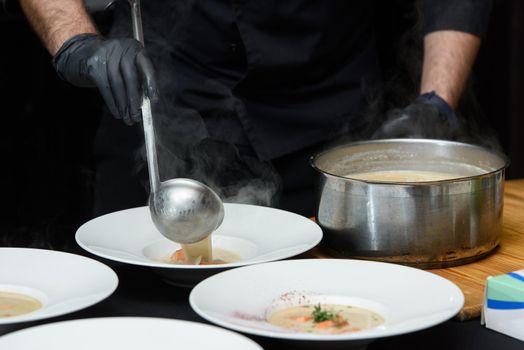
429 116
119 68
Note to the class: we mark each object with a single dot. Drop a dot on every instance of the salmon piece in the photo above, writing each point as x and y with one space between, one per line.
302 318
178 256
325 324
338 322
341 321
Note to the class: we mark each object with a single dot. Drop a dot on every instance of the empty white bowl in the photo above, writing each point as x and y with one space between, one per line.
129 333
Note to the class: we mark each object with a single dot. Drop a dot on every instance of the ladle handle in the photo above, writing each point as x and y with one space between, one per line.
147 115
136 15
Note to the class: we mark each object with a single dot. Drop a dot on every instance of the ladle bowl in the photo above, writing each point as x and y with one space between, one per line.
185 211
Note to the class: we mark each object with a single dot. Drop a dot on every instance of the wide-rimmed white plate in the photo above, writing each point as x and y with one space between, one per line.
62 282
257 234
409 299
129 333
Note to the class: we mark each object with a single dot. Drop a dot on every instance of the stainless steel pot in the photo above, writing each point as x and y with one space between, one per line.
424 224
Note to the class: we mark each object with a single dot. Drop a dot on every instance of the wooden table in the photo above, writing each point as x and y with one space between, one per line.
509 256
471 278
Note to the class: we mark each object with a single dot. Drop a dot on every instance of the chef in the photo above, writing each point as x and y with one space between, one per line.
254 87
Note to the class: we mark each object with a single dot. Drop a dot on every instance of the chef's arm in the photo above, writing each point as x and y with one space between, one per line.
452 31
448 58
119 67
55 21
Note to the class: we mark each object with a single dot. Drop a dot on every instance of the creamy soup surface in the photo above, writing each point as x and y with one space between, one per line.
14 304
325 319
218 256
402 176
201 253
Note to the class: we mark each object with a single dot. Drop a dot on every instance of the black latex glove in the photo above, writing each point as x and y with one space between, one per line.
429 116
119 68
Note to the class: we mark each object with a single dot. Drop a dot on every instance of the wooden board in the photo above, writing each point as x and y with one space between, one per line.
508 257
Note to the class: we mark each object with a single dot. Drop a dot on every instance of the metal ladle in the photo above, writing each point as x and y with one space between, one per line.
183 210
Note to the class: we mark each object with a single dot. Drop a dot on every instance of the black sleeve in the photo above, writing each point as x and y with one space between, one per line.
470 16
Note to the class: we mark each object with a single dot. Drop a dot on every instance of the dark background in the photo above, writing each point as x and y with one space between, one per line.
48 127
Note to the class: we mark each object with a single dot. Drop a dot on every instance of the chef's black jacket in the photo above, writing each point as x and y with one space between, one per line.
280 75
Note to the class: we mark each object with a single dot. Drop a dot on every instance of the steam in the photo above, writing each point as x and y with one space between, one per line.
400 53
185 147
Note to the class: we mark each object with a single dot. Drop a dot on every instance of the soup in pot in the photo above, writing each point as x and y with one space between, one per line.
402 176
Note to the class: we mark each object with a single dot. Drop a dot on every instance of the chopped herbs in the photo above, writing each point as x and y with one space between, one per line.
320 315
325 318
